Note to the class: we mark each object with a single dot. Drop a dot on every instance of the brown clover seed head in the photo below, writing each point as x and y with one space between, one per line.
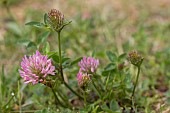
135 58
55 19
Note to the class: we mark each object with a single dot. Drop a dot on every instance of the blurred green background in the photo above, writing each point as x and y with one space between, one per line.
116 25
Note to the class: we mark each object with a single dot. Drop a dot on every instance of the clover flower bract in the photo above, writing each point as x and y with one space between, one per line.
55 19
89 65
36 67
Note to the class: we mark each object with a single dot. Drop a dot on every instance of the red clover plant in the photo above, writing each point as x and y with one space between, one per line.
105 90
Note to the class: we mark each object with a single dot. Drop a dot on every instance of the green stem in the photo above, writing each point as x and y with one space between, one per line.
107 81
99 82
61 68
61 95
60 58
136 81
9 11
8 101
1 85
85 101
73 91
96 89
57 99
19 98
63 98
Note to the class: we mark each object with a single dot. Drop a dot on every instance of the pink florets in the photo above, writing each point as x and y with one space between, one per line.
83 79
36 67
89 65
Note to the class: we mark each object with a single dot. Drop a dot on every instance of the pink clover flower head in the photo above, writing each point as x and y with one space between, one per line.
89 65
35 68
83 78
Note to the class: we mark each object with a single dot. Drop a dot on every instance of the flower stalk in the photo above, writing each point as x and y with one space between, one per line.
73 91
56 22
60 58
136 81
57 99
61 68
65 99
136 59
85 101
97 89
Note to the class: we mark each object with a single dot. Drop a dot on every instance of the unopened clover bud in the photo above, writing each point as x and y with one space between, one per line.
55 19
123 65
135 58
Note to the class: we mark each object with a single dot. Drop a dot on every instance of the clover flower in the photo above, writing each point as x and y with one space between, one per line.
89 65
135 58
83 78
55 19
36 67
